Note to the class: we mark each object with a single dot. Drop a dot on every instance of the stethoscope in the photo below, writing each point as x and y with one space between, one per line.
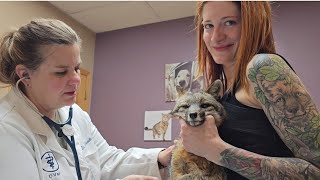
64 129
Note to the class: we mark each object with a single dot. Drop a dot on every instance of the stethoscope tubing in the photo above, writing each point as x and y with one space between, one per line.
71 143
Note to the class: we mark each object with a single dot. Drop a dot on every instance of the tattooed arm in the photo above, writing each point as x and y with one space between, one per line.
294 116
255 166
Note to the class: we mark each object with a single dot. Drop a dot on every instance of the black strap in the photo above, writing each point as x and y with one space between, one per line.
287 62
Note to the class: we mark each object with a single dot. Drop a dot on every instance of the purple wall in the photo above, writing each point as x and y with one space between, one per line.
128 76
297 35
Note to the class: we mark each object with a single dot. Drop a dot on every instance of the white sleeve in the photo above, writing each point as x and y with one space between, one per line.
119 164
116 163
16 160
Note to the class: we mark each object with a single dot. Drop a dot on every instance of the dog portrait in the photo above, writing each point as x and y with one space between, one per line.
182 81
181 78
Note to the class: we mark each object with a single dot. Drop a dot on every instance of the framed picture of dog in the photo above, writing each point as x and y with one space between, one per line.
181 78
157 126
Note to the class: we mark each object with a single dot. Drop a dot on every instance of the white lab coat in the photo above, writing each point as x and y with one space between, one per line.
29 149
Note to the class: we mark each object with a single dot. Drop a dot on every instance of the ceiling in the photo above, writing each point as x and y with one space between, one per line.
102 16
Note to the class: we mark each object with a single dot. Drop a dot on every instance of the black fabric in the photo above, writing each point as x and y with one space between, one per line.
249 128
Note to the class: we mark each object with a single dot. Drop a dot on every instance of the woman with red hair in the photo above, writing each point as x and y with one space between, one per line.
272 125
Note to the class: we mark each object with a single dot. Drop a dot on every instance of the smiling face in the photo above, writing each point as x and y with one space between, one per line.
54 84
222 28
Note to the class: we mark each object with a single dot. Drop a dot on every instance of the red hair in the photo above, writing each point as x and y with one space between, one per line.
256 37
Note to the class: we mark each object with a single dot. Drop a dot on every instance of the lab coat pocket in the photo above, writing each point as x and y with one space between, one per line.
89 148
90 153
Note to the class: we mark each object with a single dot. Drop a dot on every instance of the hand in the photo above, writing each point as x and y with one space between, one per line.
203 140
164 156
139 177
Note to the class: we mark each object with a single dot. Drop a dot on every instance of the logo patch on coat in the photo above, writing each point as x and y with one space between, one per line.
49 163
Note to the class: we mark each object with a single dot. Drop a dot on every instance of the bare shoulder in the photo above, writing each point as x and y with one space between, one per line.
287 104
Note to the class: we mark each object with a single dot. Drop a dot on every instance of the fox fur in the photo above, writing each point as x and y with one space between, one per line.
193 107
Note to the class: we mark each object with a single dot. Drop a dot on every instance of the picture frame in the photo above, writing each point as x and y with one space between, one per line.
181 78
157 126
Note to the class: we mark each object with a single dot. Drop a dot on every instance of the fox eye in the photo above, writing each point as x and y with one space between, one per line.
185 106
205 105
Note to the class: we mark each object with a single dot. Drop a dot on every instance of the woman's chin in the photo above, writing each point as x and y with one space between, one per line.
70 102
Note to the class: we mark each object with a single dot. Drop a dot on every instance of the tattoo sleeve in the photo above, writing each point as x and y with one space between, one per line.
254 166
293 115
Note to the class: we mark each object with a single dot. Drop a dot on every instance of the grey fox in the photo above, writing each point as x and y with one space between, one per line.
193 107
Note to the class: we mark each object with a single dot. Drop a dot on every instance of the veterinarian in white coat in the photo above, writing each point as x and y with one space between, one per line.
36 154
41 97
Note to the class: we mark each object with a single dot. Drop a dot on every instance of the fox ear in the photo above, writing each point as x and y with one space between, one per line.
215 89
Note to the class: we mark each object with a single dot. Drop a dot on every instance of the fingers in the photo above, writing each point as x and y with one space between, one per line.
208 117
147 178
175 142
186 131
170 148
150 178
140 177
165 155
177 116
182 122
210 120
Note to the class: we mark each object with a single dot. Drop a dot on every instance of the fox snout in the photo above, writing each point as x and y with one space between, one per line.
195 118
193 115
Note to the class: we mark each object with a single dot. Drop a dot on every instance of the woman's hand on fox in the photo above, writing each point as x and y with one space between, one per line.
203 140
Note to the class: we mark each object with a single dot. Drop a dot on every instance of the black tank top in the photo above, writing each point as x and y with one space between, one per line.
249 128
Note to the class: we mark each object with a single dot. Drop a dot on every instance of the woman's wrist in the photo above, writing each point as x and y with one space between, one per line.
214 154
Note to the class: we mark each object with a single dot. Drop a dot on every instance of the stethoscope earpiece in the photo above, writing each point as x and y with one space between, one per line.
25 75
